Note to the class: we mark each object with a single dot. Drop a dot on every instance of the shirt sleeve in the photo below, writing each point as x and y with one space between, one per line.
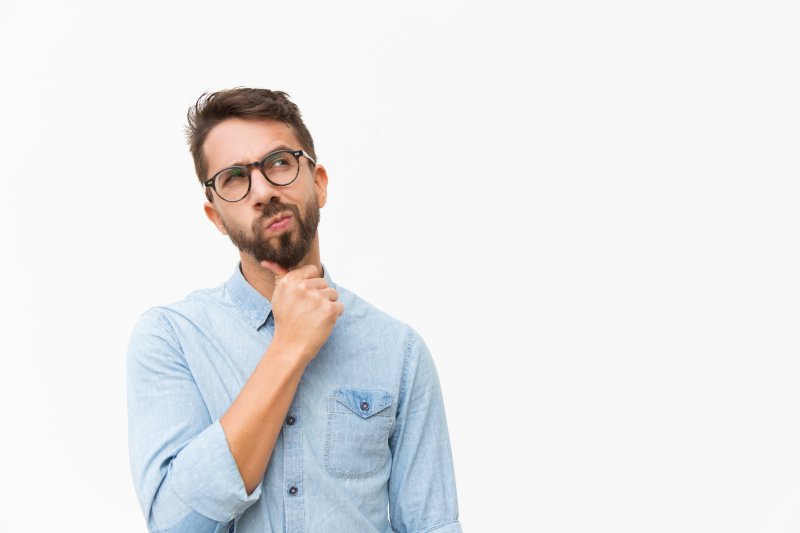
422 489
185 476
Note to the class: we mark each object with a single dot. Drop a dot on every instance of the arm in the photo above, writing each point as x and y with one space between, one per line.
305 310
422 491
174 444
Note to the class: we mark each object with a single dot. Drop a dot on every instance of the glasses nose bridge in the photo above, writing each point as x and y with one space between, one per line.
256 164
249 167
260 166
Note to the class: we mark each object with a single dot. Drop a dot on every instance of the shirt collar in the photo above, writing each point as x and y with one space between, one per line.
254 306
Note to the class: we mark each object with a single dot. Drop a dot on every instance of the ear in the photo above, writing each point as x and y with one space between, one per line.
214 216
321 184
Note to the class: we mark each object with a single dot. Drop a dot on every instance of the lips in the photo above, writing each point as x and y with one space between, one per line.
276 219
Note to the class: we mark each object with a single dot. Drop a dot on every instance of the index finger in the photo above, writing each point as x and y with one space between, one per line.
277 270
307 271
303 272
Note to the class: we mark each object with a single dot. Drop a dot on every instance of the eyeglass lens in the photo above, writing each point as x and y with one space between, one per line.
280 168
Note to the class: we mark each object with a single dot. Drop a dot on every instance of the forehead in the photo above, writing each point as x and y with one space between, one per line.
238 141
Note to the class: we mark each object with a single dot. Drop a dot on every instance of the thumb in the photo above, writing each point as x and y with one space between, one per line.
277 270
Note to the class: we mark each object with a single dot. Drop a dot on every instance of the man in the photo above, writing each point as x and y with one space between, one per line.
280 401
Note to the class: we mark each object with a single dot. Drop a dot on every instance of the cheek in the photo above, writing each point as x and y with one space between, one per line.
315 195
232 219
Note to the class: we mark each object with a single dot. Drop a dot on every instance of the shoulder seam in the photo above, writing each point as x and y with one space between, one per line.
163 319
410 341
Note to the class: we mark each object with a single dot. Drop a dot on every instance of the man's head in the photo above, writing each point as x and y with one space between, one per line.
242 102
241 126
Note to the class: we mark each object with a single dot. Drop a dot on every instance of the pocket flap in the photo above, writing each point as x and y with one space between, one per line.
364 403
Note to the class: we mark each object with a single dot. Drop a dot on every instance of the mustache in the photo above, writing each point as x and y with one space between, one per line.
272 209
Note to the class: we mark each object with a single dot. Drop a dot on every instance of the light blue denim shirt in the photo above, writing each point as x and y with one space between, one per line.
365 433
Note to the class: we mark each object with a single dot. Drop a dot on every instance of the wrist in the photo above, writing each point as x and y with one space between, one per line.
291 353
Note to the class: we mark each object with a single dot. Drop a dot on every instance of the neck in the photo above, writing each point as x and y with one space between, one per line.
263 280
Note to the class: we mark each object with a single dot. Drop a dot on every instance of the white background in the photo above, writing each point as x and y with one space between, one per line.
588 209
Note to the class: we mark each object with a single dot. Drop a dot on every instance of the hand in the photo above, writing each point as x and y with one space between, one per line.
305 309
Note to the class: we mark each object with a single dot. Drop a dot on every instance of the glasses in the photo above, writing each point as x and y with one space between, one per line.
280 168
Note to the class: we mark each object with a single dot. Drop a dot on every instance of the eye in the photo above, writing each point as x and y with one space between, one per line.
231 176
278 161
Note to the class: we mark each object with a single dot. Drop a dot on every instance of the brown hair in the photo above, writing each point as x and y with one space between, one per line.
241 102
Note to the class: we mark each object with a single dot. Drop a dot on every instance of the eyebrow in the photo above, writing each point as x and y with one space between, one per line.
272 151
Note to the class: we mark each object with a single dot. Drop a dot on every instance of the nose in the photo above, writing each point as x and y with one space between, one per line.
261 190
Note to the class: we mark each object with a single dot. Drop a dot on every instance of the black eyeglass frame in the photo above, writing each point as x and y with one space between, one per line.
211 182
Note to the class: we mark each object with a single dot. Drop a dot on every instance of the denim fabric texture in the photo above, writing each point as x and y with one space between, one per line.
365 433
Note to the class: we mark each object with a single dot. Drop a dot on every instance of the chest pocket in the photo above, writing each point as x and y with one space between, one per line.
359 425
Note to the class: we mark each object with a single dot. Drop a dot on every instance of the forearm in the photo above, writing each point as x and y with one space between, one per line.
254 420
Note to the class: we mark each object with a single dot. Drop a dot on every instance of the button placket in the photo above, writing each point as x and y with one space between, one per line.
293 465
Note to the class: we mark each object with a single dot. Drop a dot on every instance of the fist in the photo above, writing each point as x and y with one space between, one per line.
305 309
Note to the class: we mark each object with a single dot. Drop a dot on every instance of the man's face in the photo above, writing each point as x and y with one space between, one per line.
246 222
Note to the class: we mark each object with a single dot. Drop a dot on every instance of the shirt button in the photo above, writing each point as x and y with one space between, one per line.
290 420
364 406
293 491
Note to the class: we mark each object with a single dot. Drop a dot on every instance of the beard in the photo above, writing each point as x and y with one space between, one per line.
286 249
